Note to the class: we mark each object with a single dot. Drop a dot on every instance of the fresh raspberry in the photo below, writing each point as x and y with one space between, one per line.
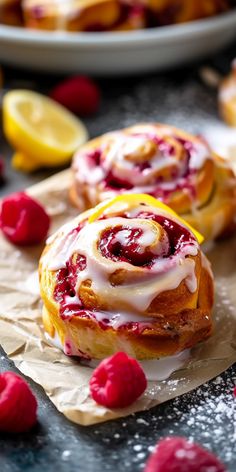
176 454
234 391
79 94
18 405
23 220
118 381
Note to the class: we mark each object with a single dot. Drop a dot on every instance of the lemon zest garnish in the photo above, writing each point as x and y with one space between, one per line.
142 198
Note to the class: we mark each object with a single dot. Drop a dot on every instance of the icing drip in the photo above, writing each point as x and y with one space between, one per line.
155 370
163 259
65 11
150 160
117 320
229 92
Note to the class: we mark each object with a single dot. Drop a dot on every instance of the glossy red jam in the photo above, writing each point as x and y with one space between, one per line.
113 182
66 282
94 157
184 177
111 248
178 235
131 252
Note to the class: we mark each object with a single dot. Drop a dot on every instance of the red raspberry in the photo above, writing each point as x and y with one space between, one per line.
18 405
118 381
234 391
176 454
23 220
79 94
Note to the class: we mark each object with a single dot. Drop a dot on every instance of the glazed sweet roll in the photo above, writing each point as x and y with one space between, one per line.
165 162
128 275
84 15
166 12
112 15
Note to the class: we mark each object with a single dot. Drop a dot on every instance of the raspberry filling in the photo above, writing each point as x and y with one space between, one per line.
113 182
183 176
119 243
178 235
94 158
66 278
112 248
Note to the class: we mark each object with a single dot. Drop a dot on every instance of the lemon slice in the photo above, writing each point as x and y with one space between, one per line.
137 199
43 133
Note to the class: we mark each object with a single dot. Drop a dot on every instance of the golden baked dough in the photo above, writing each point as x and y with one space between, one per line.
105 15
181 11
128 275
84 15
10 12
170 164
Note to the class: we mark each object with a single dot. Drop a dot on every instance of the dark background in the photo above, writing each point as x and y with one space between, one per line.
206 415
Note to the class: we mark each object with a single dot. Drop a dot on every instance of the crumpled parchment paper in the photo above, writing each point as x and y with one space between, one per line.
64 380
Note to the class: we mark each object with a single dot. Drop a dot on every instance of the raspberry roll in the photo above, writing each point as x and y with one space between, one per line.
84 15
10 12
165 162
128 276
167 12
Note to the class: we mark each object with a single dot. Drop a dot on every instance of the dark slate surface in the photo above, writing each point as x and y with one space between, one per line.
206 415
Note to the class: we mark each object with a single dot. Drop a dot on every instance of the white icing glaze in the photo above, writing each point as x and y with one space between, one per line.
55 341
124 145
116 320
161 369
155 370
88 173
165 274
116 157
228 92
146 239
65 11
199 155
222 140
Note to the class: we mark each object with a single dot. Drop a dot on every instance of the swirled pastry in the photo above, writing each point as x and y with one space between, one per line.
128 275
163 161
84 15
166 12
105 15
10 12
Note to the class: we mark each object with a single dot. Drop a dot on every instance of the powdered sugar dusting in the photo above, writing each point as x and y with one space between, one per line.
208 411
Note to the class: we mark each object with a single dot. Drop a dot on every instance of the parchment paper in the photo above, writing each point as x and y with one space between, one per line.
64 380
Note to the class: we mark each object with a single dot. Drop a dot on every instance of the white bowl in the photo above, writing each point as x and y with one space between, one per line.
116 53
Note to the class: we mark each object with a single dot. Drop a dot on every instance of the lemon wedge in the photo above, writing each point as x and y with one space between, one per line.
43 133
137 199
